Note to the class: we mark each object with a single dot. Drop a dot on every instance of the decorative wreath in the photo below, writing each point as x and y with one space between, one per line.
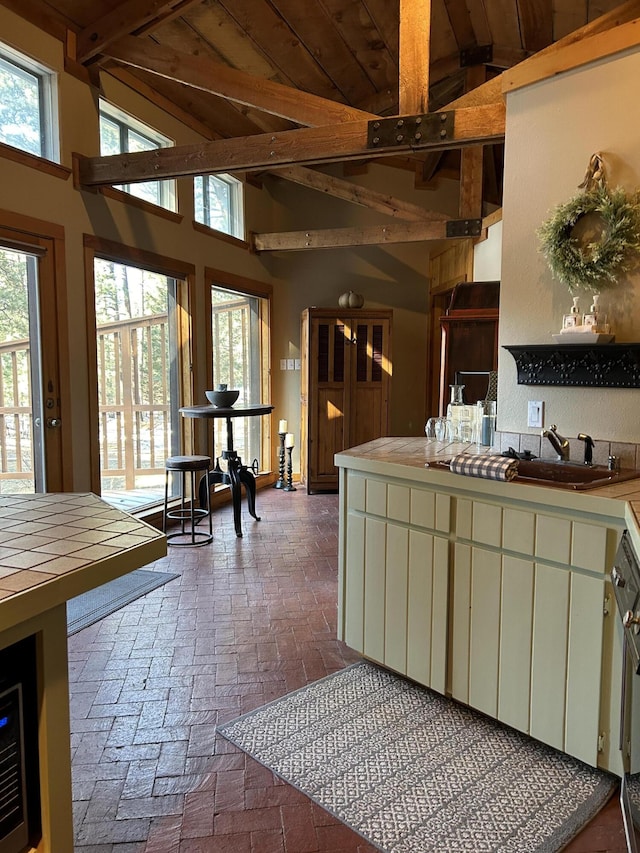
596 265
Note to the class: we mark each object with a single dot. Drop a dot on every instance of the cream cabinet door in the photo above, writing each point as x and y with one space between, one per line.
427 609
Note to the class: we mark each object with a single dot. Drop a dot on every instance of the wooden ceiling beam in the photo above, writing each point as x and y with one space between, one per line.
559 57
219 79
356 194
327 144
127 17
471 162
415 36
337 238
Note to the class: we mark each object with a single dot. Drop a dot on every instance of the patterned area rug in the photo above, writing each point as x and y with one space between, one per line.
412 772
90 607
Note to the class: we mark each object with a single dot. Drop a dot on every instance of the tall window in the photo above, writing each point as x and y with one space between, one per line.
121 133
240 359
137 381
219 203
28 118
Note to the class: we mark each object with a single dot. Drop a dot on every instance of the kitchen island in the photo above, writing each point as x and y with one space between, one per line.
496 594
54 547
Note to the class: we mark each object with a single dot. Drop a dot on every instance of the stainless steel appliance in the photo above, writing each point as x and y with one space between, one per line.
625 576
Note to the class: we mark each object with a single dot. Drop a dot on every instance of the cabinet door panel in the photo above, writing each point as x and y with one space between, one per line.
398 502
427 609
327 429
549 664
485 630
395 622
583 667
374 589
460 638
440 615
420 606
516 619
354 583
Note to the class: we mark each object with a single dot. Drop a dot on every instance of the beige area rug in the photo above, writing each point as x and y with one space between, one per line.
411 771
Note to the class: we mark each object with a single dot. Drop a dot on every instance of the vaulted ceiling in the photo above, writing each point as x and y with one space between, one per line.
237 69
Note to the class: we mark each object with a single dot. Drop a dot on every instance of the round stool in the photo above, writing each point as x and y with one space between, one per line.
192 514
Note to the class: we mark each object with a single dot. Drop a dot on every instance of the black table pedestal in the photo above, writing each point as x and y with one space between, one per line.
236 476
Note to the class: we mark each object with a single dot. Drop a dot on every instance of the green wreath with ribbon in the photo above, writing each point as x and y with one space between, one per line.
594 265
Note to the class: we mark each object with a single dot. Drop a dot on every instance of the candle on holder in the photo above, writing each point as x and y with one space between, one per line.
288 441
282 426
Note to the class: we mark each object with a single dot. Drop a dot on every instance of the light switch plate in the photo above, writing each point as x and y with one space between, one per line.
535 413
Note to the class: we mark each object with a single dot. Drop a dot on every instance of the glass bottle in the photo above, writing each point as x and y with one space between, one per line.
456 410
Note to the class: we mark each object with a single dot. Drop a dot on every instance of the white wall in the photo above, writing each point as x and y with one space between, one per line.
553 128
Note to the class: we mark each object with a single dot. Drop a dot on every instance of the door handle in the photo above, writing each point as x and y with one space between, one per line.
53 423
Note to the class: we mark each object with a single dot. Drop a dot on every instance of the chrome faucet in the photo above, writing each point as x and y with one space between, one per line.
559 443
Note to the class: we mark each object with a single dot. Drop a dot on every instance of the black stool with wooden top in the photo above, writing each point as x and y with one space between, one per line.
193 465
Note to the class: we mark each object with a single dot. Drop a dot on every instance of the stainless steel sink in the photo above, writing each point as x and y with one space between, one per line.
563 475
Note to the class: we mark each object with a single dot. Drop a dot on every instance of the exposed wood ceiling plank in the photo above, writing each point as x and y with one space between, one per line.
226 38
125 18
479 22
271 34
326 144
335 238
536 23
461 23
315 29
556 60
444 45
348 191
503 22
415 34
359 31
226 82
385 17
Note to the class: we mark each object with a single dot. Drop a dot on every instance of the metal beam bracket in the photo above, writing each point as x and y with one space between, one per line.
479 54
464 227
413 131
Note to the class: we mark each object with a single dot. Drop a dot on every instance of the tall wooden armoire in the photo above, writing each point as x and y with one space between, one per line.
345 387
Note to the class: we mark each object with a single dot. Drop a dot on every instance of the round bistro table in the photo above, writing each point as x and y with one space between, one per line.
237 474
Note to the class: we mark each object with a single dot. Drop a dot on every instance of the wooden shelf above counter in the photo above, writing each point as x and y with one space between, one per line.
579 365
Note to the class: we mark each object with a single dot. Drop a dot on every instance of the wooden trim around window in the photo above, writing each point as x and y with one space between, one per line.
140 203
128 255
220 235
264 291
41 164
121 253
48 238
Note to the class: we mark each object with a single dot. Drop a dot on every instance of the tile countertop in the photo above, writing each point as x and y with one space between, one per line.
56 546
382 455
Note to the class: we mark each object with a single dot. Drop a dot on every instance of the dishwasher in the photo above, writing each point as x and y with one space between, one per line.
625 577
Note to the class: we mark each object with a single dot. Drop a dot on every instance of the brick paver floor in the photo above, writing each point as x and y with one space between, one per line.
247 621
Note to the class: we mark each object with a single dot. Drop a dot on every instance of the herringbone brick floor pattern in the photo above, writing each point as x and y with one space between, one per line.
247 621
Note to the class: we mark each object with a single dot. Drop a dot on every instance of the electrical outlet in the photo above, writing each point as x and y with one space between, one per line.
535 413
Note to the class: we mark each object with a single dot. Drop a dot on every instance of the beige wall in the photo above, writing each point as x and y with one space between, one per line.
393 276
553 128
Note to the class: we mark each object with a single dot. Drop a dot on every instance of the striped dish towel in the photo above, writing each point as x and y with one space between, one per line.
489 467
